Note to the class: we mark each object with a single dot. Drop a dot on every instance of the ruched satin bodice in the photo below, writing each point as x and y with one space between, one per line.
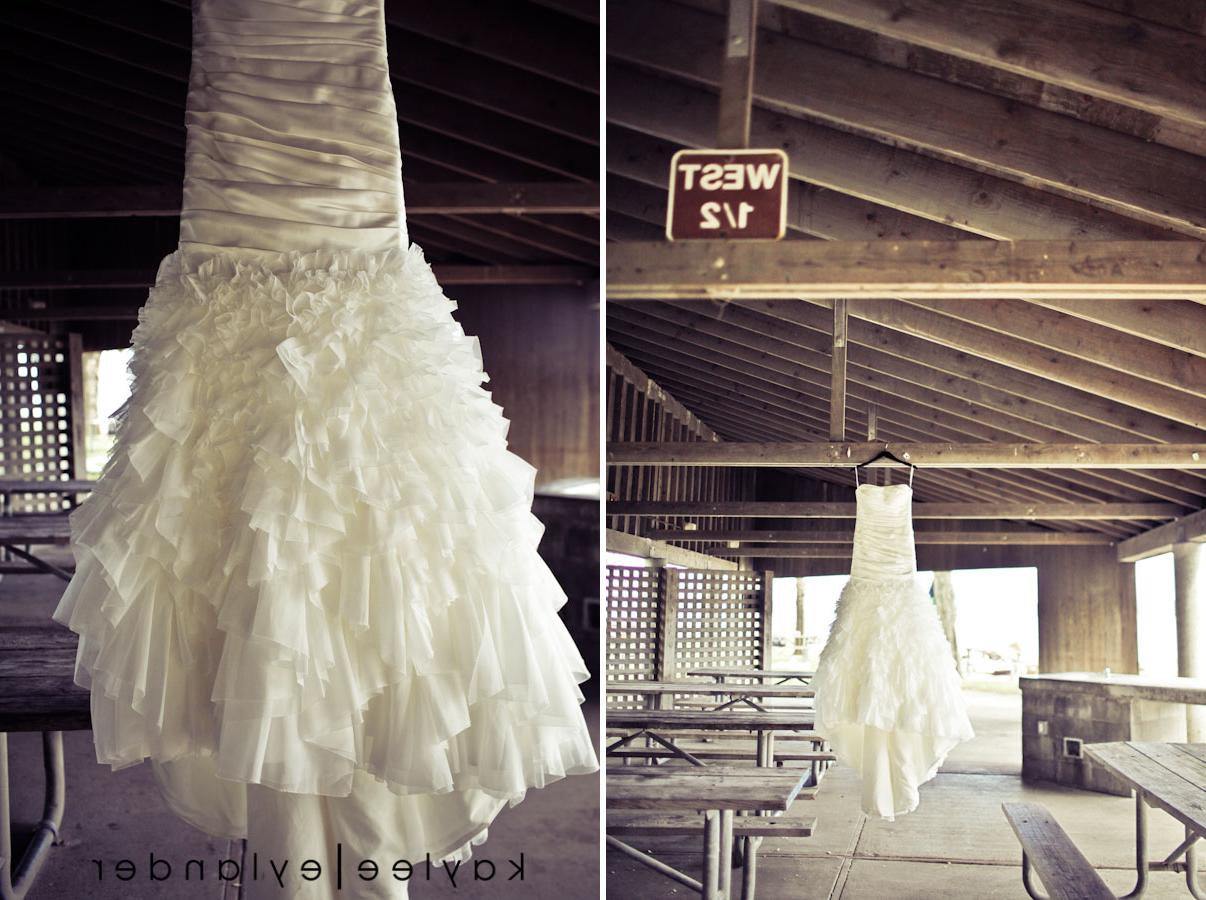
883 532
292 130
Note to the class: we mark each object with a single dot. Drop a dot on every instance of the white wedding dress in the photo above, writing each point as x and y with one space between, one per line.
888 696
307 584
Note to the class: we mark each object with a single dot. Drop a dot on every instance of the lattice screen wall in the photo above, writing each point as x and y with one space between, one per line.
635 604
718 619
722 620
39 435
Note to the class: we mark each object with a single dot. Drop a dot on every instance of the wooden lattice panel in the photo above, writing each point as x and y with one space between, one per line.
37 429
635 604
722 620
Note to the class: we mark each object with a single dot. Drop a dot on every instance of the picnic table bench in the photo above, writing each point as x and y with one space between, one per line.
659 725
763 675
37 693
21 531
684 797
1170 776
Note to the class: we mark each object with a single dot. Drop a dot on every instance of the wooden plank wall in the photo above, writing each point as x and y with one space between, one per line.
540 345
639 410
1086 610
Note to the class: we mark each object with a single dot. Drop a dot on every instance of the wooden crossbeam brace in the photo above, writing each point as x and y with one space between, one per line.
937 455
1070 511
422 199
701 270
936 538
1163 538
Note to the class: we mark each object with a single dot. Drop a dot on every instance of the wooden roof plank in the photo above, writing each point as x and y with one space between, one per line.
1102 53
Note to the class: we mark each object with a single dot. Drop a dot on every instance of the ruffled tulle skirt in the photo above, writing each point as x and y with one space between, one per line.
888 698
310 564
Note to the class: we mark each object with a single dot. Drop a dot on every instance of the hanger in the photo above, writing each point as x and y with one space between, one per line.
885 453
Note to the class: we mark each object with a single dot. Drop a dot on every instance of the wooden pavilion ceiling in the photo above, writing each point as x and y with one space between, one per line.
918 120
92 95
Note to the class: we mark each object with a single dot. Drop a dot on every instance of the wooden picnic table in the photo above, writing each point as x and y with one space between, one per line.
715 792
762 675
37 693
659 725
1169 776
21 531
739 692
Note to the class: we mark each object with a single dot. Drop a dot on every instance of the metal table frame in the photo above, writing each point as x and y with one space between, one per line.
17 876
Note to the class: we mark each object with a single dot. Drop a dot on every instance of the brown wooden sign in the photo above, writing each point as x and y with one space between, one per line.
727 195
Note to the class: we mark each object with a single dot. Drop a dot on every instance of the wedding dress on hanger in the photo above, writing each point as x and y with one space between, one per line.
888 696
307 584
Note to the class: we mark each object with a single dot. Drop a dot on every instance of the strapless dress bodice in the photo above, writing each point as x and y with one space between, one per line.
883 532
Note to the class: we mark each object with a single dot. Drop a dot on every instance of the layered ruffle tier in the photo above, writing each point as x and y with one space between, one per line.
888 695
311 559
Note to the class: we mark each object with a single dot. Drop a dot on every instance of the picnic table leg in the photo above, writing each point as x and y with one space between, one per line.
1191 865
16 878
712 858
1141 865
749 873
726 853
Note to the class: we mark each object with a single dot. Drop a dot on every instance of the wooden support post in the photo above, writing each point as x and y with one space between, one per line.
1189 576
668 636
837 393
75 368
737 75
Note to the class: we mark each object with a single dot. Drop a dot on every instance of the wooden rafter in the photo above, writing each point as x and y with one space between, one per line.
1094 165
957 408
1066 511
908 269
950 456
923 186
1078 47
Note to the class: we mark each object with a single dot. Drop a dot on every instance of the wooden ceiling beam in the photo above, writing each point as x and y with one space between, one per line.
1017 486
939 538
496 86
1069 337
921 270
932 63
536 40
1183 15
539 147
858 166
1078 413
899 414
1031 512
948 456
1176 324
1018 353
1078 47
970 127
1163 538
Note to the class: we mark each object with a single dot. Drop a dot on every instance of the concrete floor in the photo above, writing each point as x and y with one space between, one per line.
957 844
112 816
